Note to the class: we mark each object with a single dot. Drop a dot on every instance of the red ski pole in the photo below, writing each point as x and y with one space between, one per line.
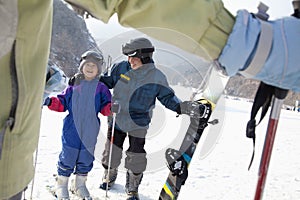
280 94
277 102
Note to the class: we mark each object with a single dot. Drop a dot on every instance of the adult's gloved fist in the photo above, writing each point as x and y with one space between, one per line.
191 108
47 101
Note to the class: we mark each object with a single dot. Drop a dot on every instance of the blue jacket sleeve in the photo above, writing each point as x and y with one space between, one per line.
167 96
65 97
105 99
119 68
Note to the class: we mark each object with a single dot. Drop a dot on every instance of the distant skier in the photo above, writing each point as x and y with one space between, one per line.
137 83
84 98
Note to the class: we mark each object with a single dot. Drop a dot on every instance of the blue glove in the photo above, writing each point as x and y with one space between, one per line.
47 102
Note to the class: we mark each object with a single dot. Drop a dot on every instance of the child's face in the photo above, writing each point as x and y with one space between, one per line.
90 70
135 62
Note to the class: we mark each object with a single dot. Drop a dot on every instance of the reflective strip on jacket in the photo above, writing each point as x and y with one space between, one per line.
281 68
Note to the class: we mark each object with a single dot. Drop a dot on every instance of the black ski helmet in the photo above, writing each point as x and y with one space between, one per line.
92 56
139 47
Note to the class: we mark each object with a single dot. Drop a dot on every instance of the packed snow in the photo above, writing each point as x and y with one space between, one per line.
219 169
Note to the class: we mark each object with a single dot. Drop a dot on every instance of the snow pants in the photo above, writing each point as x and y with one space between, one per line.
135 160
77 155
77 161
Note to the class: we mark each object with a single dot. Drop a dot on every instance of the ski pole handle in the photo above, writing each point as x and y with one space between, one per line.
115 108
296 5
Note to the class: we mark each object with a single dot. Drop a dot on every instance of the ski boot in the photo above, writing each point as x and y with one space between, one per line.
132 184
61 191
108 180
132 196
79 188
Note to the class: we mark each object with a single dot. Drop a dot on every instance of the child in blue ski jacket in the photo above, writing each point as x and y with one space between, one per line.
84 98
136 84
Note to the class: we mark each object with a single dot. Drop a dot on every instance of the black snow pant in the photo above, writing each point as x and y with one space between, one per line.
135 160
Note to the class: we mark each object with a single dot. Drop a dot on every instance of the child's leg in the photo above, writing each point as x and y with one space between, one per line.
110 176
65 167
83 166
119 138
136 155
79 186
135 162
67 160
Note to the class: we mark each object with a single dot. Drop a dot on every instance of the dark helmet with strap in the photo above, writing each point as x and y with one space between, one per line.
139 47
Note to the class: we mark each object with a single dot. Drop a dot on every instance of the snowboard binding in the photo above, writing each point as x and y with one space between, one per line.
176 163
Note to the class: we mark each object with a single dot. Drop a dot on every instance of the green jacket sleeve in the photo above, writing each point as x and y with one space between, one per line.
8 24
200 27
22 81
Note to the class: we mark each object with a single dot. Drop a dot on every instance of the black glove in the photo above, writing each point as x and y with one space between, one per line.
191 108
47 101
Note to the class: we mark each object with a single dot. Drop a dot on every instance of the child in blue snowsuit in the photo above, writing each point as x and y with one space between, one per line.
136 84
84 98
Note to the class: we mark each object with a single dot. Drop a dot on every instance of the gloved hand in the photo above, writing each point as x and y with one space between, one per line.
191 108
47 101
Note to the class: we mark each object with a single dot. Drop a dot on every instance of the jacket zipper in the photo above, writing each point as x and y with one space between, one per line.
9 123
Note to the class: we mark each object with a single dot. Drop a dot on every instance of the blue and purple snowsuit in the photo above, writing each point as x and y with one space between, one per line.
81 126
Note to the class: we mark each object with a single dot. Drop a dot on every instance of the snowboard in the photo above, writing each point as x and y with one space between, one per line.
179 160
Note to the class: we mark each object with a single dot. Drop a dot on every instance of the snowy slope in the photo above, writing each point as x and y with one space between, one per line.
220 174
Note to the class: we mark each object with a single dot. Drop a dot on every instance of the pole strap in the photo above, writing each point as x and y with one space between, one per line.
262 101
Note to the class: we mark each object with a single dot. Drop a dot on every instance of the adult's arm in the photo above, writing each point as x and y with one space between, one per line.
200 27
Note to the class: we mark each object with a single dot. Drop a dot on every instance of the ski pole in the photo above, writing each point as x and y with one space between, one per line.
277 102
33 179
115 108
296 5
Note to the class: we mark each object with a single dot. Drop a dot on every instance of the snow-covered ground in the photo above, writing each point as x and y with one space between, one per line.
218 169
